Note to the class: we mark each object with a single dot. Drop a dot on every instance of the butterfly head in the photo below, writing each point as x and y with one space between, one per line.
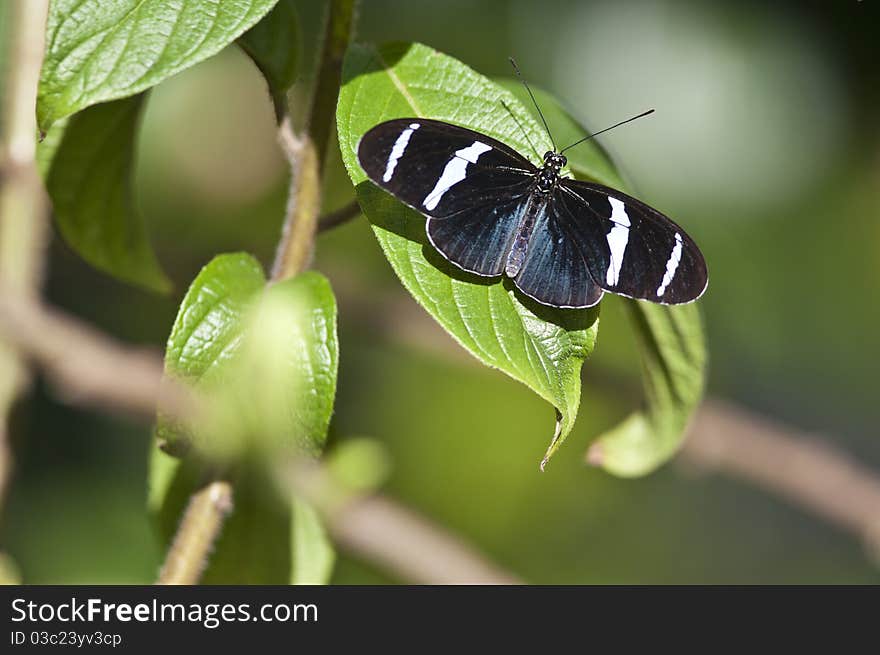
555 160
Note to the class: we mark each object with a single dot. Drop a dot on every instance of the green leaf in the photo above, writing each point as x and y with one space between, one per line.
100 50
88 168
273 44
671 339
541 347
673 354
263 360
313 554
207 333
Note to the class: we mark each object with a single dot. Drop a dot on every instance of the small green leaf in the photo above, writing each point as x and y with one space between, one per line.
100 50
313 554
673 352
274 44
541 347
265 359
88 168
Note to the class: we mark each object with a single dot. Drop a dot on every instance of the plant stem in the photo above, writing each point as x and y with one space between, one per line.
322 114
208 507
339 217
303 205
307 152
23 204
199 529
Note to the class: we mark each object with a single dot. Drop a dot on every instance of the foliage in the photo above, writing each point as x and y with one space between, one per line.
262 355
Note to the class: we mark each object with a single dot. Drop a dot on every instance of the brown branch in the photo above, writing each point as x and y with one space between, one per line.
23 204
388 534
805 469
92 369
404 543
85 366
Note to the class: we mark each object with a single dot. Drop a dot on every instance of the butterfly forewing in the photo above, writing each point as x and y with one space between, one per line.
631 248
471 186
438 168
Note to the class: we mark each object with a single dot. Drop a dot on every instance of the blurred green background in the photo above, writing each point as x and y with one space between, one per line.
765 145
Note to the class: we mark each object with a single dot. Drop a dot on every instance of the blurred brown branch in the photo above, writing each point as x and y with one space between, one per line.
389 534
23 203
803 468
807 471
85 366
89 368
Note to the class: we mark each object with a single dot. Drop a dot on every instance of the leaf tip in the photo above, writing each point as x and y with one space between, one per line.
595 455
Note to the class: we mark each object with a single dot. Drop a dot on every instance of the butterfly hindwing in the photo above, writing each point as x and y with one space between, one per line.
478 238
631 248
554 271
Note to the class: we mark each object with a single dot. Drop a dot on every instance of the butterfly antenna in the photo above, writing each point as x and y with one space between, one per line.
650 111
522 129
532 96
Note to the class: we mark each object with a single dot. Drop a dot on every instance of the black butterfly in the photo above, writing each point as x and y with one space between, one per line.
492 212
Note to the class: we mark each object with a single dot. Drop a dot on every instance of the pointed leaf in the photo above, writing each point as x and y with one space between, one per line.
100 50
541 347
670 339
88 167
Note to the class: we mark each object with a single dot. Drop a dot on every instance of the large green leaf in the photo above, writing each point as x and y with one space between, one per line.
263 360
671 339
541 347
88 167
273 44
100 50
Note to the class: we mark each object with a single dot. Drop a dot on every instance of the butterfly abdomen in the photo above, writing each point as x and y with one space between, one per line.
536 204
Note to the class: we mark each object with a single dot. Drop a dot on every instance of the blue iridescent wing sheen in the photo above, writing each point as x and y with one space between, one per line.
477 239
471 187
630 248
555 270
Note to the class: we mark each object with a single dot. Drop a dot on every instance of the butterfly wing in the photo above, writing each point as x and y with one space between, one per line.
630 248
554 271
471 187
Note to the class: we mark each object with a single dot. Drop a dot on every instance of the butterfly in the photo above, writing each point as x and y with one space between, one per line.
562 242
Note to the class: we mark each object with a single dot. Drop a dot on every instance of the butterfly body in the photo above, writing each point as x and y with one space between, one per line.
545 182
491 212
